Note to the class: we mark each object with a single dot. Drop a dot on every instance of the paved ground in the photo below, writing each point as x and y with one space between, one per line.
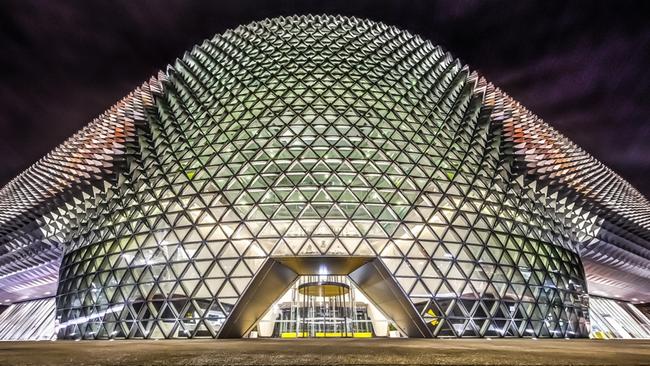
500 352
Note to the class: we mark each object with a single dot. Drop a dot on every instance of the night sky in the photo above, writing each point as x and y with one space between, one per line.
584 67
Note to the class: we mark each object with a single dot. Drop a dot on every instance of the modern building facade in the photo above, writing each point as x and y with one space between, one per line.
321 176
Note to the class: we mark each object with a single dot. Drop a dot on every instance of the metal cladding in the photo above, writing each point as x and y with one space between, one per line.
63 181
611 220
318 137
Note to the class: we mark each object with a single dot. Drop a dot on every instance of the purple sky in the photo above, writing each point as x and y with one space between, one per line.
582 66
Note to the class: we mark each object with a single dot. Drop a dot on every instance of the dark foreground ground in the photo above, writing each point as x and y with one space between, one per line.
328 352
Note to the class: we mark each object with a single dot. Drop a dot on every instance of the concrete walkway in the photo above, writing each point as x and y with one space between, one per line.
328 352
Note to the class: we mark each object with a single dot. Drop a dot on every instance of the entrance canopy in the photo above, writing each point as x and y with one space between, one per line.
369 275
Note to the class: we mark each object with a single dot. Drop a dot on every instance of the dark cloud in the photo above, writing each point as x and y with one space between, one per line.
582 66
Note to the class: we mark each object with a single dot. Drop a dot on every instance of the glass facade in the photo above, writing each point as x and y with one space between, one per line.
28 321
309 137
616 319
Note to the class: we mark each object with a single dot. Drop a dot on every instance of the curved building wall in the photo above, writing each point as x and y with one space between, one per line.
313 136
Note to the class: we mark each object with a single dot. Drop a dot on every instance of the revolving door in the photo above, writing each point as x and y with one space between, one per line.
322 306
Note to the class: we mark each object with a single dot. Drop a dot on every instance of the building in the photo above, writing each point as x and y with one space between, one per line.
321 176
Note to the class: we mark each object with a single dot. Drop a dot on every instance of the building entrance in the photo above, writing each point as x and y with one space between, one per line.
318 306
308 296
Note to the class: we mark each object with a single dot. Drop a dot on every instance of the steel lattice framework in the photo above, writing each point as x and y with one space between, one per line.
321 136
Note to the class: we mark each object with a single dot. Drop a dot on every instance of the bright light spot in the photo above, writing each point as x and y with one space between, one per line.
83 319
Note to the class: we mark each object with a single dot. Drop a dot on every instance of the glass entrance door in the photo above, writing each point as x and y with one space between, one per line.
322 306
